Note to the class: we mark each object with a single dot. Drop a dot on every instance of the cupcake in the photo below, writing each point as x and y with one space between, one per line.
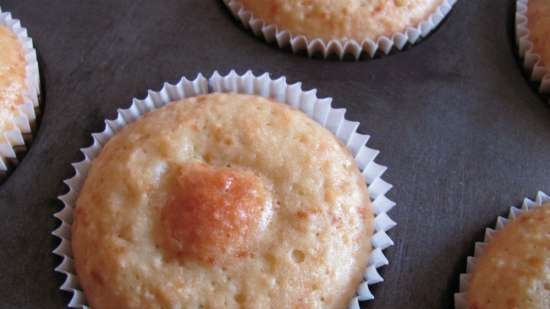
513 269
18 90
228 201
198 200
533 31
343 26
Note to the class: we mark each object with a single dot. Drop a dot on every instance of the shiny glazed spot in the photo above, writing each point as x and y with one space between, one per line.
213 213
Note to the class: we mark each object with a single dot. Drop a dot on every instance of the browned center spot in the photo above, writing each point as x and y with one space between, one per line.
213 213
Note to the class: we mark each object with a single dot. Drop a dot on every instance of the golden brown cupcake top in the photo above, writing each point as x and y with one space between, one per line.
222 201
342 19
538 15
12 79
514 270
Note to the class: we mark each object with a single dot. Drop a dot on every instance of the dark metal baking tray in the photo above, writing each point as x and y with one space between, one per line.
463 133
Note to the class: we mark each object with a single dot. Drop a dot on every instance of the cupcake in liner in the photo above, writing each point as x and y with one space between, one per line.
342 46
15 141
292 94
461 298
532 61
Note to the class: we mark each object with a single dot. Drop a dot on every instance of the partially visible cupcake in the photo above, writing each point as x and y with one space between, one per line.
18 90
513 269
533 35
352 24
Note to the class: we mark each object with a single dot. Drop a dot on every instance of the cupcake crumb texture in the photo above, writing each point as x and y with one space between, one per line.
514 270
222 201
343 19
12 79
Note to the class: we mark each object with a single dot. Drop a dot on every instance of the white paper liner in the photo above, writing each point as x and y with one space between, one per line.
531 60
460 298
338 47
14 140
278 89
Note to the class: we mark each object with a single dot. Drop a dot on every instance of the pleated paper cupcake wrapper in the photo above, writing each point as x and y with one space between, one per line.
338 47
14 141
292 94
531 60
461 297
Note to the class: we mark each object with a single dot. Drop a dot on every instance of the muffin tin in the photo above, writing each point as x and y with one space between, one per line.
462 130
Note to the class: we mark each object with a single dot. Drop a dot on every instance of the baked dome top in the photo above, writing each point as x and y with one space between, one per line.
222 201
514 269
343 19
12 79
